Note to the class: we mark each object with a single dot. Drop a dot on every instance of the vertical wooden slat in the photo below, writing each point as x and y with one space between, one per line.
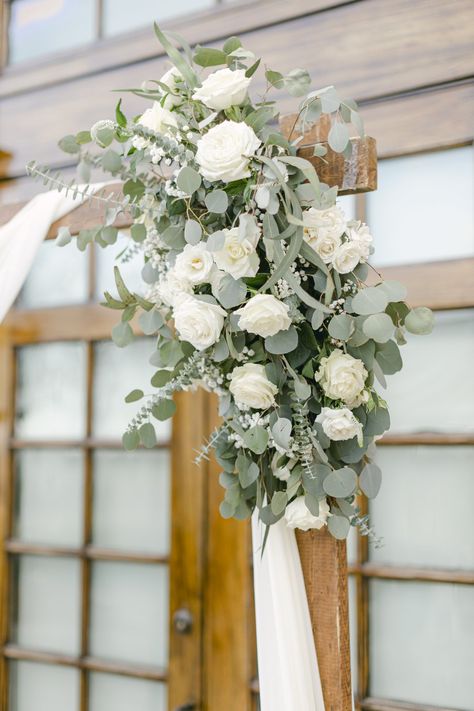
362 595
188 512
7 377
324 563
228 589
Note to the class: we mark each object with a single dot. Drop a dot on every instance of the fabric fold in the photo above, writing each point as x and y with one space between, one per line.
287 662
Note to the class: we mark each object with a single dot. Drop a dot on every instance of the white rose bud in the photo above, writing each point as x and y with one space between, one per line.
360 235
224 152
347 257
339 424
194 263
250 386
238 256
323 230
223 89
171 79
157 119
198 322
264 315
341 376
297 515
172 286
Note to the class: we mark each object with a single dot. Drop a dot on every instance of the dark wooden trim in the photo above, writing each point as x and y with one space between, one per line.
87 552
11 651
410 574
140 45
375 704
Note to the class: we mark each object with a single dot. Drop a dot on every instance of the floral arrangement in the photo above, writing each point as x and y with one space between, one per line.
255 284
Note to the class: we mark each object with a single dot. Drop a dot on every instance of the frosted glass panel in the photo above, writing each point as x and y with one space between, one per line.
132 500
58 277
51 391
48 499
108 691
117 372
118 18
421 643
353 630
423 209
48 603
130 271
434 392
436 486
129 612
43 687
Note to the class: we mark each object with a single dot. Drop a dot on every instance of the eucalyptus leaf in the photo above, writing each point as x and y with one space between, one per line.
134 395
282 342
419 321
231 292
389 358
248 474
341 327
338 526
281 432
192 232
279 502
217 201
122 334
340 482
394 289
371 300
215 241
338 136
370 480
147 435
164 409
379 327
130 440
188 180
256 439
150 322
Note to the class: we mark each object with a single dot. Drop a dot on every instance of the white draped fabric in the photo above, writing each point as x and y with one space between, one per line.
21 238
287 663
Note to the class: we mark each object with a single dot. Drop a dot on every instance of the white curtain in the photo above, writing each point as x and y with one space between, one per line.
287 663
21 238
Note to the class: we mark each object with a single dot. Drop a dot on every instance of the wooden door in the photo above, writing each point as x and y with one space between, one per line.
102 551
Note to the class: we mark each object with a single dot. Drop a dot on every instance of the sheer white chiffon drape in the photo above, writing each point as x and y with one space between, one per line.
287 663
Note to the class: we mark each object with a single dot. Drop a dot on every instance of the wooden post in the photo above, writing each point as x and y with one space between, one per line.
323 558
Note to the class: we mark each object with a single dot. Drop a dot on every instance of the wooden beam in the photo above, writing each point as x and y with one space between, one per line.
324 563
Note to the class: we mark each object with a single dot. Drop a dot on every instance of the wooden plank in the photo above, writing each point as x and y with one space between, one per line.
188 514
376 61
88 322
439 285
374 704
139 45
227 631
410 574
324 563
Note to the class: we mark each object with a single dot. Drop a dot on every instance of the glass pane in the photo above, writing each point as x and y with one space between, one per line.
353 631
51 391
41 27
129 612
132 500
421 643
59 276
47 596
108 691
117 372
118 18
48 498
348 204
434 526
130 271
417 216
43 687
434 390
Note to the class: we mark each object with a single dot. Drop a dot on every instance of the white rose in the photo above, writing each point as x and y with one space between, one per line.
360 235
157 119
341 376
347 257
172 286
224 152
340 424
195 264
331 221
323 232
223 89
297 515
172 79
250 386
264 315
198 322
238 256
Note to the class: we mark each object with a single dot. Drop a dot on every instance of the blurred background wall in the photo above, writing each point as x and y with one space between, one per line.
86 560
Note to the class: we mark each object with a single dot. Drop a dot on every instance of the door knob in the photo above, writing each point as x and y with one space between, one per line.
183 624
